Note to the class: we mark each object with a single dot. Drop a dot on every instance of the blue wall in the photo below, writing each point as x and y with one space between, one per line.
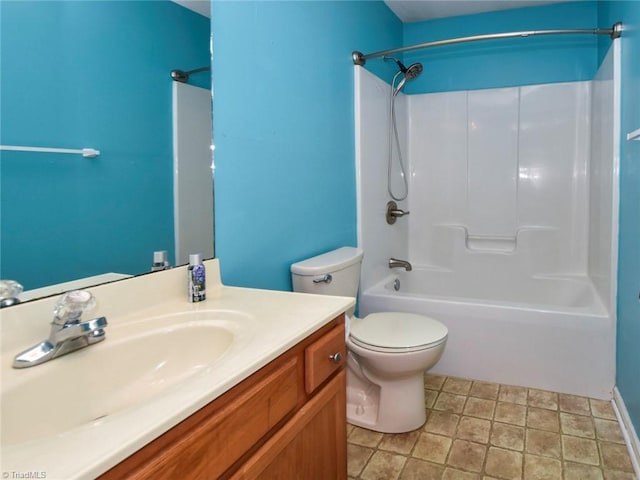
505 62
90 74
284 130
628 348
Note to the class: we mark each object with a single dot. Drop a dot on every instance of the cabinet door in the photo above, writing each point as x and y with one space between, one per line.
312 445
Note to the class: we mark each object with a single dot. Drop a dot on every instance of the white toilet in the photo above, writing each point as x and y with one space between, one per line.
388 352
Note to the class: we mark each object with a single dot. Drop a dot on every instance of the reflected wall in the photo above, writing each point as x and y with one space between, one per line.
90 74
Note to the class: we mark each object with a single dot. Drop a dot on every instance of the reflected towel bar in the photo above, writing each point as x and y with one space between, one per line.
85 152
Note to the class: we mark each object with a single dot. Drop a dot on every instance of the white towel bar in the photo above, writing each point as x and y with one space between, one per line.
85 152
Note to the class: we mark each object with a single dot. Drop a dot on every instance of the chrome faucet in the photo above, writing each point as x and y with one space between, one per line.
68 333
394 263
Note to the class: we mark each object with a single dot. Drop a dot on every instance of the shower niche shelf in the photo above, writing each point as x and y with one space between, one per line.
491 243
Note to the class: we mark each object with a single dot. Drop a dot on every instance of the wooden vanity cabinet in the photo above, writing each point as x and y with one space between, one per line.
286 421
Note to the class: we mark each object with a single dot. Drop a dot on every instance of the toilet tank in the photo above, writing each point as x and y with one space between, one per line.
332 273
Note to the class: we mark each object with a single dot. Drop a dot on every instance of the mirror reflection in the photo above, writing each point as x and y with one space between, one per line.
96 74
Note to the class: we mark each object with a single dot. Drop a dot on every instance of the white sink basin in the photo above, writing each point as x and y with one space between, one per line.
137 361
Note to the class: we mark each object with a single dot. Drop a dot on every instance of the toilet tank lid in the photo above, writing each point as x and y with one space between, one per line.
328 262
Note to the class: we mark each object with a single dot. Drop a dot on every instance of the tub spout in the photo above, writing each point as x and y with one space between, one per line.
394 263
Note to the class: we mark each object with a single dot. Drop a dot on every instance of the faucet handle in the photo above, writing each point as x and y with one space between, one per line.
70 307
9 292
393 212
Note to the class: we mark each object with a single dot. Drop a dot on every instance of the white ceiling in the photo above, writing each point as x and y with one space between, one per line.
203 7
419 10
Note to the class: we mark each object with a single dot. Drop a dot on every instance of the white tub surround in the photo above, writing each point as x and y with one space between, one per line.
269 323
505 174
372 116
514 206
603 174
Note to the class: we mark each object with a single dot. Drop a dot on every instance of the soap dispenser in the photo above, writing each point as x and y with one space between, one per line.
196 278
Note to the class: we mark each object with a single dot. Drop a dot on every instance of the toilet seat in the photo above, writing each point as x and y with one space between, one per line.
397 332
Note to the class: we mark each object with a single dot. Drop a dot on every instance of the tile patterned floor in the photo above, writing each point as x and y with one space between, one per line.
485 431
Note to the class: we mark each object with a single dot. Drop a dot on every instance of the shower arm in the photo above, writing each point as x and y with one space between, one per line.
614 32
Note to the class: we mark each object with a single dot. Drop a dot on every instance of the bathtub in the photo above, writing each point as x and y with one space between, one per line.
551 333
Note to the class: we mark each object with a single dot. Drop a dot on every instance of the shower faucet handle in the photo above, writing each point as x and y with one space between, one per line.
398 213
393 212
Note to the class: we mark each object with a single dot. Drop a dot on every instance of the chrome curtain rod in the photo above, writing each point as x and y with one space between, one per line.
360 59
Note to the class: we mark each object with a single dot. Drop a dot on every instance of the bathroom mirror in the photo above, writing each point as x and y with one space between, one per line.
91 74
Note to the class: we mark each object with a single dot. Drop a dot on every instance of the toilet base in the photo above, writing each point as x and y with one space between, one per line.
393 406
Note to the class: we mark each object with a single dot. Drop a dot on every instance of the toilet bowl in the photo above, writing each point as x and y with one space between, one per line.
387 352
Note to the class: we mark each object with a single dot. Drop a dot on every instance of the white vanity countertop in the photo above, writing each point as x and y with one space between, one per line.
276 321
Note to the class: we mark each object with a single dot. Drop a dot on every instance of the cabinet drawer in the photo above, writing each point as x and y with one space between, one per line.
324 357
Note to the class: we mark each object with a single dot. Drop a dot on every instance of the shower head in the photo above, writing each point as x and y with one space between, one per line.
413 71
410 72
